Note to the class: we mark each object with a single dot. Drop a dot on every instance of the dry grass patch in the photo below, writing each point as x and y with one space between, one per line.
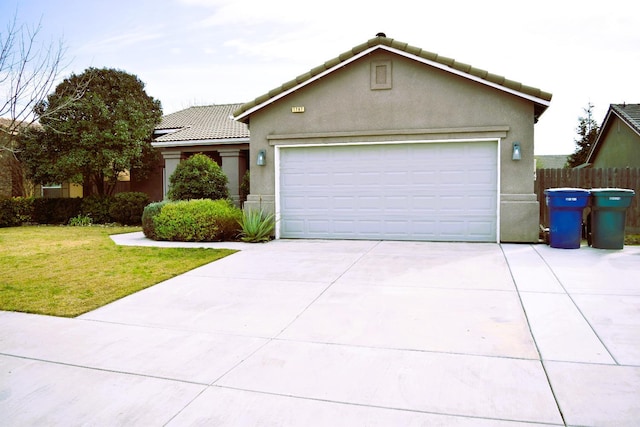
67 271
632 239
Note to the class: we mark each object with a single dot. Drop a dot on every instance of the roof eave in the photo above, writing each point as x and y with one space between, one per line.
199 142
264 100
627 119
605 124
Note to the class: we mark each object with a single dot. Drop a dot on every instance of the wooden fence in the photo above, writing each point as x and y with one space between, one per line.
591 178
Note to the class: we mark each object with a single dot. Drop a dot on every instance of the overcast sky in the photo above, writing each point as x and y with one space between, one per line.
200 52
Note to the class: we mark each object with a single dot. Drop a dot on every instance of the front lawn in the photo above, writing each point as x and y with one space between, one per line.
67 271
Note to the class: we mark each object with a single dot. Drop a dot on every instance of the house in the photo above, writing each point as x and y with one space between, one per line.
203 129
391 142
9 175
618 142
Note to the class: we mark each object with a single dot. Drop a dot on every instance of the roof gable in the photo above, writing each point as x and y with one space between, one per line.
203 123
540 98
628 113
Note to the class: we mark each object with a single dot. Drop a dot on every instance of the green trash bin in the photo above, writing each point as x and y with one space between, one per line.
608 215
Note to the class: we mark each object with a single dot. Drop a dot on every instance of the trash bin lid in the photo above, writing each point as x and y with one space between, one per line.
612 198
567 198
620 192
562 192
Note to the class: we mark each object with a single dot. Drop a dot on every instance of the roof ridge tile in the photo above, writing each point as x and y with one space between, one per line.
408 49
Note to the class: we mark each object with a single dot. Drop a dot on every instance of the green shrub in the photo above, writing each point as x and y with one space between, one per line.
257 226
148 215
24 208
8 214
126 208
201 220
198 177
97 207
245 186
80 221
55 210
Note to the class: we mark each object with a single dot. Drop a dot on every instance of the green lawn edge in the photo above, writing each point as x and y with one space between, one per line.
68 271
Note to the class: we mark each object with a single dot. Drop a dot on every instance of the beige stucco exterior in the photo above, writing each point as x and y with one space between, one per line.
423 103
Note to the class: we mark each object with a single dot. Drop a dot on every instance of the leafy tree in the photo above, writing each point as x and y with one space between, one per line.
198 177
96 137
588 132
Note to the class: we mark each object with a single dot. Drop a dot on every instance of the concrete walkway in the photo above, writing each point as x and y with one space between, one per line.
344 333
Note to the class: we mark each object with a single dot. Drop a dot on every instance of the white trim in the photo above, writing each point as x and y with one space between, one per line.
391 142
467 75
401 53
499 195
276 163
198 142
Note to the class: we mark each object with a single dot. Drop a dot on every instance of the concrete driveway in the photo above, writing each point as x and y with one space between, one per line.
345 333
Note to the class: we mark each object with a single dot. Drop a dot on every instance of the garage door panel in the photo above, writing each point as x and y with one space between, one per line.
293 226
430 177
319 225
411 191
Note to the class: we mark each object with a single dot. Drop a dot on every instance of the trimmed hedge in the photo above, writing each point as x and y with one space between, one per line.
97 208
199 220
127 208
8 213
56 210
148 215
124 208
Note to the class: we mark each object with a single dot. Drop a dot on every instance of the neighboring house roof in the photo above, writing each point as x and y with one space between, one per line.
628 113
204 124
552 161
540 98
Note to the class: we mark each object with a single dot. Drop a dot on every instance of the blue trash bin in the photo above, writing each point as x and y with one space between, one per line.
565 216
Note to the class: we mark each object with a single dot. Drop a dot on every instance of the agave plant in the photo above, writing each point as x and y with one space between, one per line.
257 226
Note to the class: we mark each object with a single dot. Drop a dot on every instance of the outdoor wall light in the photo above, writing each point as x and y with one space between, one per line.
262 158
517 154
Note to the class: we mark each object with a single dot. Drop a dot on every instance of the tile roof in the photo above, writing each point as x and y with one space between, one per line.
201 123
541 98
630 113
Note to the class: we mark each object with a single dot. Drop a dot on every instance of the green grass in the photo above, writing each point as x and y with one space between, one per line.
67 271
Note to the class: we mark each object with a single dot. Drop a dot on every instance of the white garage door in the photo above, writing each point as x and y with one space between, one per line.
409 191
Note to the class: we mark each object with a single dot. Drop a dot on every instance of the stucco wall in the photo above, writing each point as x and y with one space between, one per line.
424 103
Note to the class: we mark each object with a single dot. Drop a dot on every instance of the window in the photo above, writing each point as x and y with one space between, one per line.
51 190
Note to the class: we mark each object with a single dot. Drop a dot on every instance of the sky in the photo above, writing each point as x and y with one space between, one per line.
203 52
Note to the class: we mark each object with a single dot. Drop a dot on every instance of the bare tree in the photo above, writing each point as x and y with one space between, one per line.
29 69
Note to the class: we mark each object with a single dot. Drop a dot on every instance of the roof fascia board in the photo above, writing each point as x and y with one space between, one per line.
198 142
605 124
451 70
401 53
307 82
627 120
